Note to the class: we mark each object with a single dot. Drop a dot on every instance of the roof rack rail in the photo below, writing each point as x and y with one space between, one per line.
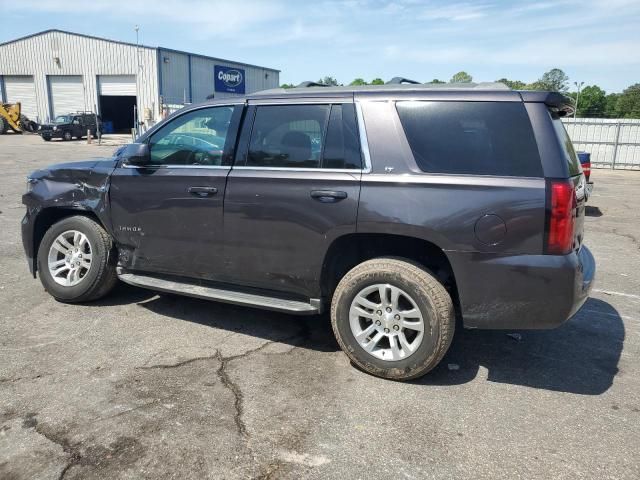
400 80
311 84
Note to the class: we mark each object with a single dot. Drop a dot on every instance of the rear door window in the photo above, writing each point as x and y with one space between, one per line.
479 138
304 136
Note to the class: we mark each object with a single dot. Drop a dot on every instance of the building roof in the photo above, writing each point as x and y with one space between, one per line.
55 30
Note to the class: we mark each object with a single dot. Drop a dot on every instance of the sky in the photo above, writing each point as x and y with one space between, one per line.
595 42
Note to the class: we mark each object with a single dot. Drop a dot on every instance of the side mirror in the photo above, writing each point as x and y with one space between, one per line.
136 154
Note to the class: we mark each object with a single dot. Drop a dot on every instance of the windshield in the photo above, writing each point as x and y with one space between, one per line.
63 119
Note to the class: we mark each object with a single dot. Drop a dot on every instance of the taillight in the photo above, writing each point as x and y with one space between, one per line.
586 169
561 208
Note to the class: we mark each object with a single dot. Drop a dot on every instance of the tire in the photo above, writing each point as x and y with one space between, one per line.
3 126
46 139
419 292
98 278
66 136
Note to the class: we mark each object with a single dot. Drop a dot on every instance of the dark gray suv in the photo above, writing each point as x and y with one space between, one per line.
397 208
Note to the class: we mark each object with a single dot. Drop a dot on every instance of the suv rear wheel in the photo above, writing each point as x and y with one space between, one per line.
392 318
74 260
67 136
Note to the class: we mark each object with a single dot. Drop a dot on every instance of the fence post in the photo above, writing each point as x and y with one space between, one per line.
615 146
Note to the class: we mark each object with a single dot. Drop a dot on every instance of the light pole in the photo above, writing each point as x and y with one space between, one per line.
579 85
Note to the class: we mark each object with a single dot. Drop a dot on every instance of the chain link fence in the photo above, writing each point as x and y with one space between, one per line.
613 143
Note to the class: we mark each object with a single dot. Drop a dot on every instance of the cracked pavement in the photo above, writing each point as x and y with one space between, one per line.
141 385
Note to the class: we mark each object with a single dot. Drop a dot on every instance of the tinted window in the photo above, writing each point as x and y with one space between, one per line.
567 147
481 138
342 149
288 136
195 138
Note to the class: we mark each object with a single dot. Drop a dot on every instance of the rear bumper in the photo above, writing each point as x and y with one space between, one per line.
522 291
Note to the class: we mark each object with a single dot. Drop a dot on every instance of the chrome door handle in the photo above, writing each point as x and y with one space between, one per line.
202 191
328 196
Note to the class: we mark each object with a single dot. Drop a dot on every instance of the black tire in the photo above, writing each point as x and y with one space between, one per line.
3 126
430 297
46 139
66 136
101 276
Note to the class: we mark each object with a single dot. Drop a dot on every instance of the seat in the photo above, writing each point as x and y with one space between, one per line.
296 147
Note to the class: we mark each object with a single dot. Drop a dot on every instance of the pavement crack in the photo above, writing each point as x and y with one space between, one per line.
19 379
179 364
70 450
237 394
627 235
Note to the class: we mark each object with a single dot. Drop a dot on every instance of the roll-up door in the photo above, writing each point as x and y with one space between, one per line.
117 85
20 88
66 93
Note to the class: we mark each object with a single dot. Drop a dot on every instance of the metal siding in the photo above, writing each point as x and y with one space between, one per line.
175 77
66 93
84 56
20 88
110 85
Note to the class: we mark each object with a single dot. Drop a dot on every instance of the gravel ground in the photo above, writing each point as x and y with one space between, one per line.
142 385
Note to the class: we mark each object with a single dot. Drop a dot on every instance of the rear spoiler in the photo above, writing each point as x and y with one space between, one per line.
556 102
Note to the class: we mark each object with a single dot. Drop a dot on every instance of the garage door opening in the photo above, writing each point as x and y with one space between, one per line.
119 111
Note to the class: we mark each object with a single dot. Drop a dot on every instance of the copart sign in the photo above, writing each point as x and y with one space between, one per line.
228 79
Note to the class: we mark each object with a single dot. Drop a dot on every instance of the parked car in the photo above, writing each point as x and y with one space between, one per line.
70 126
585 162
422 203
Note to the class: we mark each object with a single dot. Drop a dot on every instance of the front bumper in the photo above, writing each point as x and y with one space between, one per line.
27 227
522 291
50 133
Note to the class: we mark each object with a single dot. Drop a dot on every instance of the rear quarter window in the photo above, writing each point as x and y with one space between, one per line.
479 138
573 162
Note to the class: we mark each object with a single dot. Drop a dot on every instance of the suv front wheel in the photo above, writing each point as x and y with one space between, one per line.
392 318
75 260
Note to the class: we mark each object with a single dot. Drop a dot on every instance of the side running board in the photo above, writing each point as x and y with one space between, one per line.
221 295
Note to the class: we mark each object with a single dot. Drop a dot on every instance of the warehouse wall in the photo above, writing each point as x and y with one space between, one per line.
175 77
84 56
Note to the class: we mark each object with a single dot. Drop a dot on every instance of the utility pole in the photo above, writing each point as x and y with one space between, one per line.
579 85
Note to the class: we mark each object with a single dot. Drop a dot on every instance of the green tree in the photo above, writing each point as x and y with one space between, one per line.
437 81
611 106
628 105
592 101
287 85
377 81
537 85
512 84
358 81
461 77
555 80
332 82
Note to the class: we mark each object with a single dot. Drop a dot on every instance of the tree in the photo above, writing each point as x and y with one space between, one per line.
611 106
287 85
332 82
628 105
537 85
461 77
513 84
592 101
358 81
377 81
435 80
555 80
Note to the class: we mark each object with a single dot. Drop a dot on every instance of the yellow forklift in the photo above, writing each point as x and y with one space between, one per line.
11 118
